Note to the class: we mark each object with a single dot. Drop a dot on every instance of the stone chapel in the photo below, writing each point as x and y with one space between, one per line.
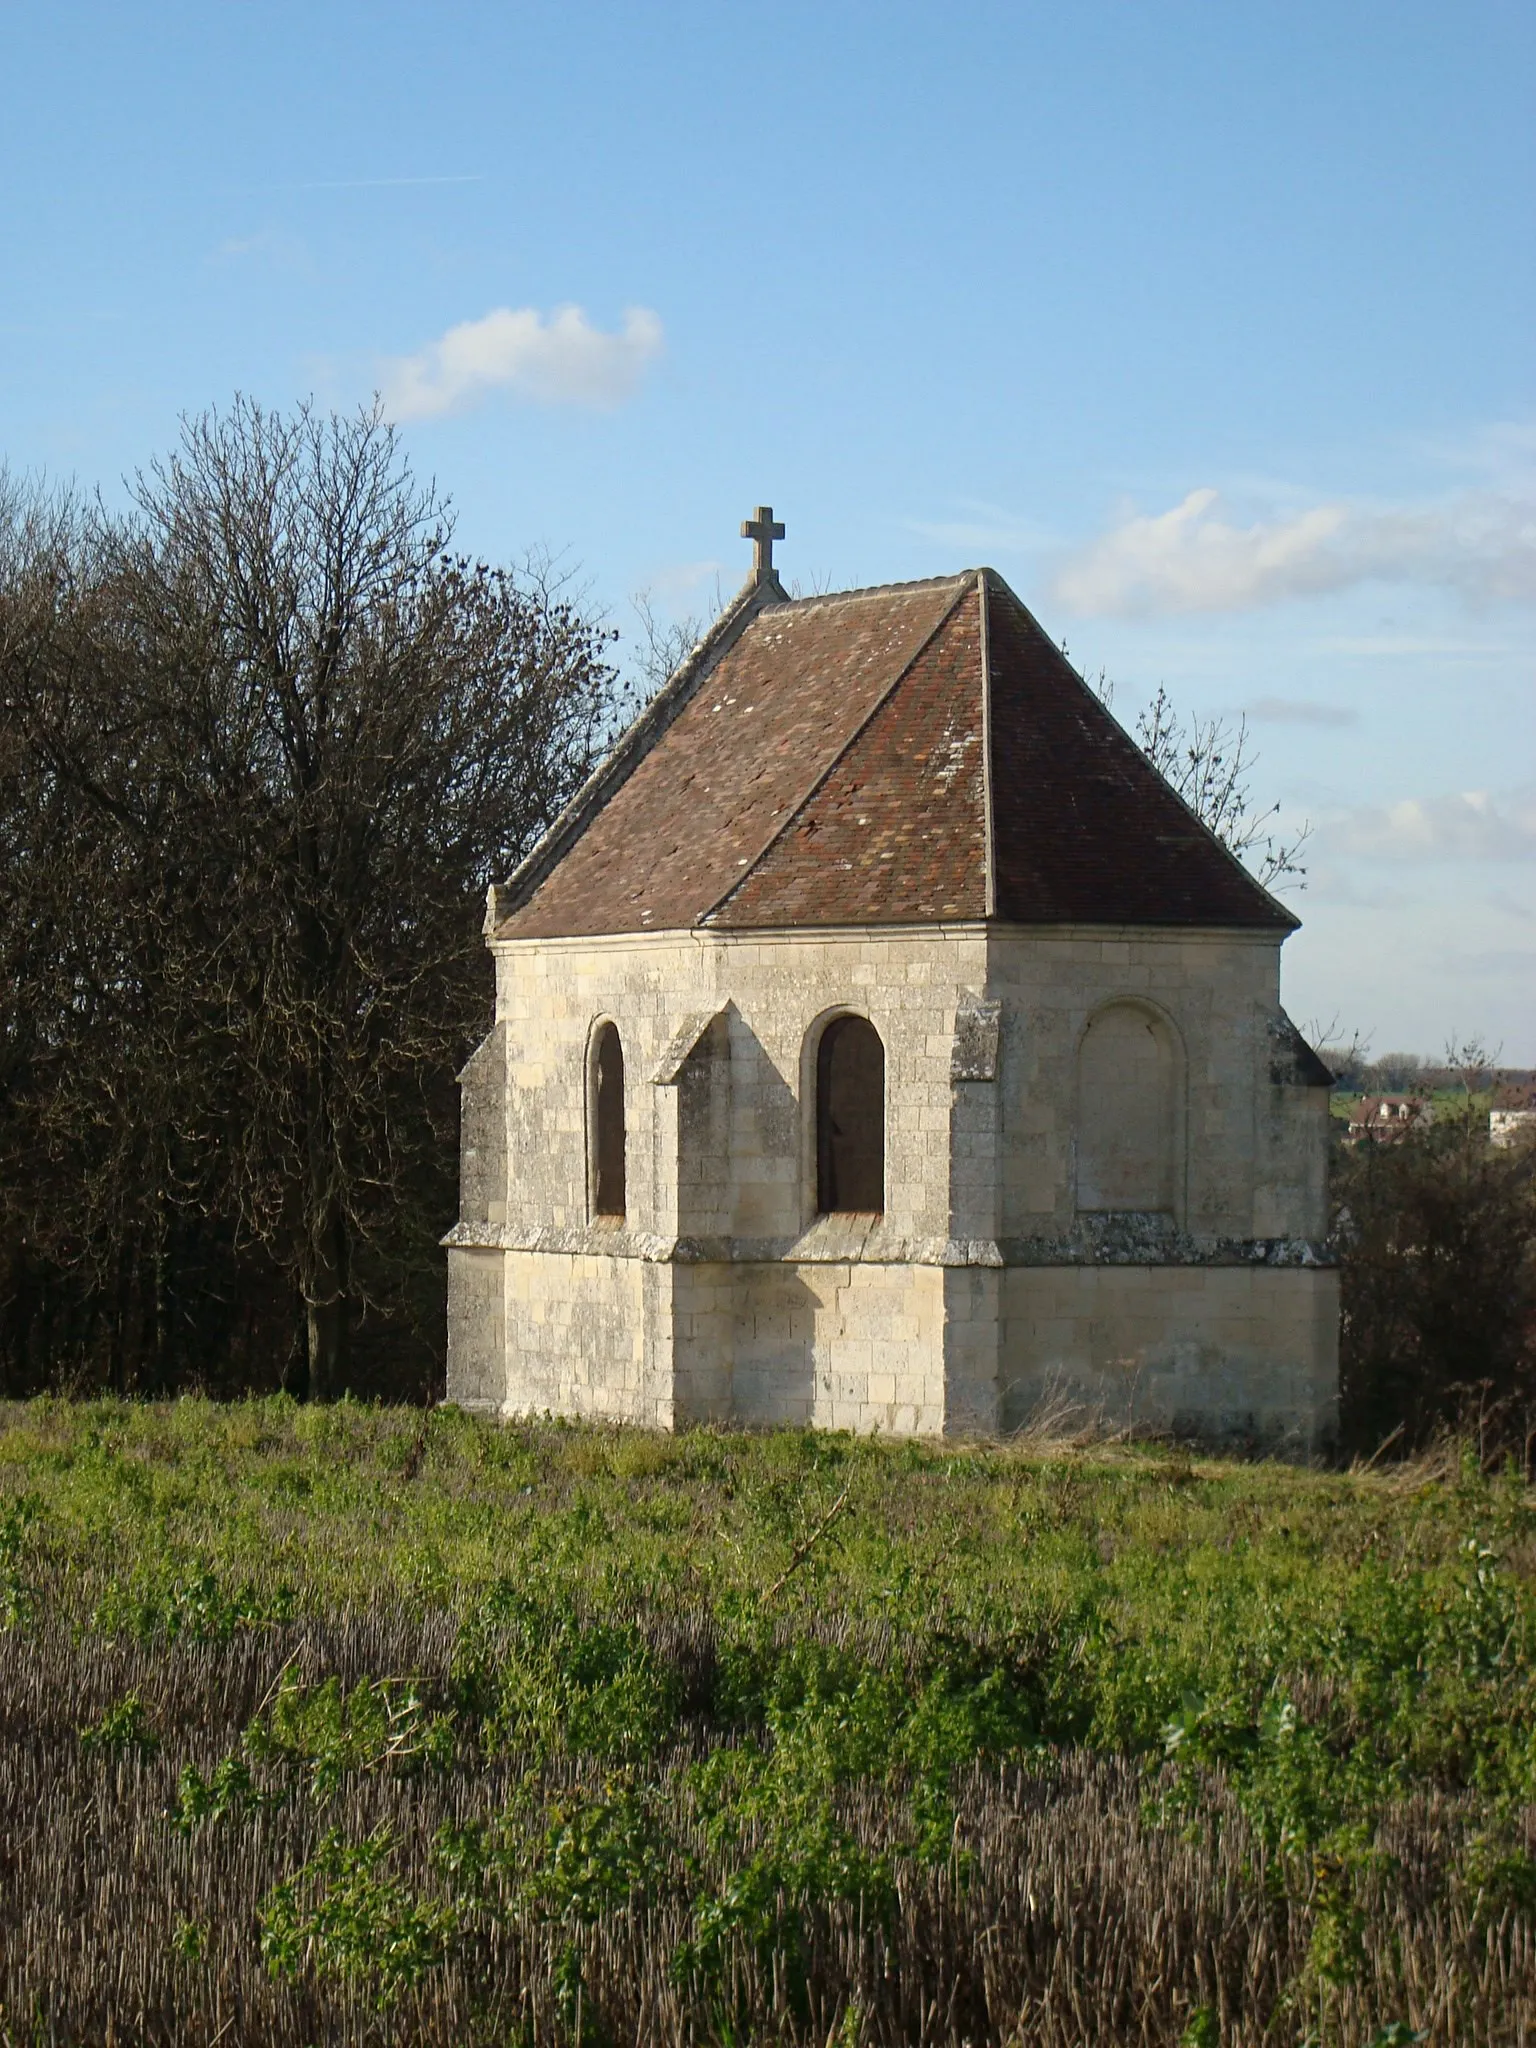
881 1044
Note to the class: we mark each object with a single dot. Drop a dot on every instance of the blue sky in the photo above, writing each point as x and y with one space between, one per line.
1210 326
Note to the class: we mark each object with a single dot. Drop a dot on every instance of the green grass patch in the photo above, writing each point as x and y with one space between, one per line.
428 1728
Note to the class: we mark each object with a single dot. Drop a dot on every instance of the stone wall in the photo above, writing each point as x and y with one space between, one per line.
577 1326
824 1343
723 1295
1242 1352
1216 995
477 1337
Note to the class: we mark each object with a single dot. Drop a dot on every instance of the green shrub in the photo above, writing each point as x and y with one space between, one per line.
124 1727
344 1912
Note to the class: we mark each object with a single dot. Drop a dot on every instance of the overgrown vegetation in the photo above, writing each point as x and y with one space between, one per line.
362 1725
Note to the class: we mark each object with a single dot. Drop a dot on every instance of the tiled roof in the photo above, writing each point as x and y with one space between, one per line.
1085 830
826 761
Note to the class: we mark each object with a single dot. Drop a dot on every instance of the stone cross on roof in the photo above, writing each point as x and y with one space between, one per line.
762 529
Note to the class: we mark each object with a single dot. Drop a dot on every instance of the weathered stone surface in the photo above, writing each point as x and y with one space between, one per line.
985 1291
977 1028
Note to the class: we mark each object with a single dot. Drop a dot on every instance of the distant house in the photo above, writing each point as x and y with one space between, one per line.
1505 1126
1385 1117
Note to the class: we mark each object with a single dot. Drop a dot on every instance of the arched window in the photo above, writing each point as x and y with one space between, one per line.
1126 1112
850 1118
605 1122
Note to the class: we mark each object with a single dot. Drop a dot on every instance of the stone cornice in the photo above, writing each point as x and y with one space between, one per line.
956 928
854 1243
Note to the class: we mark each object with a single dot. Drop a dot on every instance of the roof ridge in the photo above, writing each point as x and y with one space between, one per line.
988 792
960 576
756 595
963 584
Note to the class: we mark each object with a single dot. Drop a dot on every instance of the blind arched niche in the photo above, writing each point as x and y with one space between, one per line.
605 1122
1127 1112
850 1118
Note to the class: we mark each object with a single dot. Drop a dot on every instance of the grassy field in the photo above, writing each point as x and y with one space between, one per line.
344 1725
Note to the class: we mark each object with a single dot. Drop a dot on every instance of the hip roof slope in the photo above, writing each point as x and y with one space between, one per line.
896 831
763 725
1085 830
915 753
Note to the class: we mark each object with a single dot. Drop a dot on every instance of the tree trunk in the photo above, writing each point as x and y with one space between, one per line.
325 1306
122 1295
160 1367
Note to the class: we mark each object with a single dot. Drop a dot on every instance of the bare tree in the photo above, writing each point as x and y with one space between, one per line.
1471 1067
312 732
662 645
1210 763
61 959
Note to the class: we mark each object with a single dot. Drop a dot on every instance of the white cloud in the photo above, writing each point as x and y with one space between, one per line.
1497 450
1194 558
559 360
1470 826
679 588
1298 711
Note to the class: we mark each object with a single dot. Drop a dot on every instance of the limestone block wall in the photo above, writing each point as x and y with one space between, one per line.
692 1141
720 1151
483 1106
1239 1351
982 1289
1217 995
703 1341
1290 1197
1290 1194
837 1346
774 991
581 1337
972 1297
1129 1141
477 1336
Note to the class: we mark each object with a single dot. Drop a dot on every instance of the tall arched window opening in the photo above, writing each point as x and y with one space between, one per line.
1127 1133
605 1122
850 1118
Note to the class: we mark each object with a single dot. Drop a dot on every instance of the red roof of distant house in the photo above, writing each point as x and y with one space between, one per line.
1382 1108
1388 1116
919 753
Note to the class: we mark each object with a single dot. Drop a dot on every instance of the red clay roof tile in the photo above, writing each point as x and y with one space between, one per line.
896 831
828 768
1085 830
